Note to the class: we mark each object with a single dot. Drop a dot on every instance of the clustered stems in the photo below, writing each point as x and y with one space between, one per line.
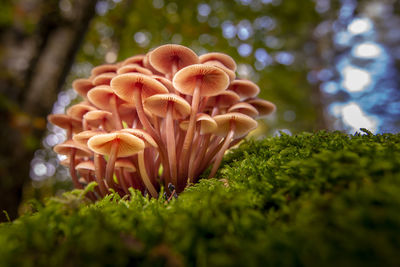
155 120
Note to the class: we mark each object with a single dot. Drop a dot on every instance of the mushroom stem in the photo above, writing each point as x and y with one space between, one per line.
117 119
191 129
69 132
72 171
145 178
99 173
171 149
111 162
137 97
121 179
218 157
196 144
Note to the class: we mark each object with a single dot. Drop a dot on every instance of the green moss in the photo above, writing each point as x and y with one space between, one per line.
324 199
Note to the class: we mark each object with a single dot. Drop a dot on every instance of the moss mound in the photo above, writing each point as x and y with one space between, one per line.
324 199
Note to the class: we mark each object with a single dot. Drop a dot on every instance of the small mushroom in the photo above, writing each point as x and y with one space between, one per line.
82 86
105 68
132 68
244 88
244 108
171 107
100 119
149 142
230 126
115 144
263 107
72 149
66 122
103 79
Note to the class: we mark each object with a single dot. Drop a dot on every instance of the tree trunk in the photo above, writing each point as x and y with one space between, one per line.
33 70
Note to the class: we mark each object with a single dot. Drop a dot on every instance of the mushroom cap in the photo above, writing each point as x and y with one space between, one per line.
128 143
244 88
224 99
104 69
263 107
82 86
95 118
158 104
224 59
245 108
83 137
207 123
104 78
137 59
100 97
243 124
86 166
163 57
77 111
125 84
65 121
149 141
65 162
166 82
132 68
126 164
67 147
213 80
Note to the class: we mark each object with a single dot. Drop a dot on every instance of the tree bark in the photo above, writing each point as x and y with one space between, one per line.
33 70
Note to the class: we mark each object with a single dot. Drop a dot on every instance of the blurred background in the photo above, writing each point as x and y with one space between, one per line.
326 64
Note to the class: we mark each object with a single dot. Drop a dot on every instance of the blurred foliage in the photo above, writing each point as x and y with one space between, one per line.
323 199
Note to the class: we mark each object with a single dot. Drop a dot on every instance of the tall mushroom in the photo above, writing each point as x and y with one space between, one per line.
230 126
115 144
149 142
198 81
171 107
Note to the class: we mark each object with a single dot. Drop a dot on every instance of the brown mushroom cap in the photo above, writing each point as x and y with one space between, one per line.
158 104
245 108
65 121
104 69
132 68
244 88
213 80
82 86
137 59
104 78
149 141
224 59
100 97
96 118
263 107
125 84
207 123
224 99
163 57
128 144
67 147
77 111
86 166
126 164
83 137
166 82
243 124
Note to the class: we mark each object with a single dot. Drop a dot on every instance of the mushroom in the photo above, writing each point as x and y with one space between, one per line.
115 144
263 107
122 165
72 149
222 101
137 59
230 126
171 107
222 58
82 138
103 79
149 142
244 88
100 119
105 68
132 68
82 86
66 122
198 81
170 58
244 108
77 111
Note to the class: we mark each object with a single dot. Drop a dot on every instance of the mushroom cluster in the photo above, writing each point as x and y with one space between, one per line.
156 119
